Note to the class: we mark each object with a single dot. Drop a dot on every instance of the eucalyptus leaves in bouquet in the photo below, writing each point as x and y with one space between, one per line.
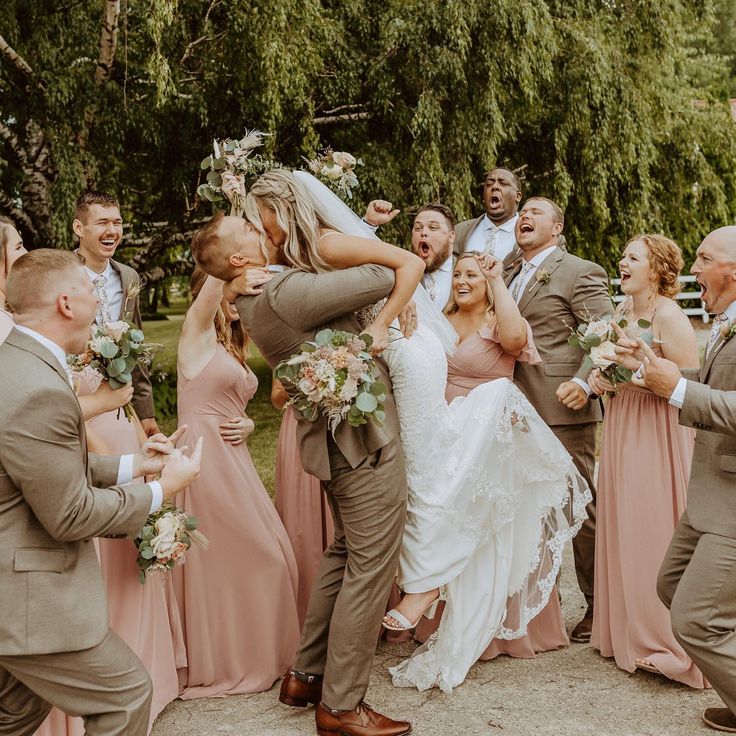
236 157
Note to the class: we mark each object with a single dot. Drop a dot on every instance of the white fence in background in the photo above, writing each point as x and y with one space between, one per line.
691 311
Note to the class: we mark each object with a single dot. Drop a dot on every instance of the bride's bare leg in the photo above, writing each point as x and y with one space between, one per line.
413 605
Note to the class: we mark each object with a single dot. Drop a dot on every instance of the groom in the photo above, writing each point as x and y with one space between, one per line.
362 470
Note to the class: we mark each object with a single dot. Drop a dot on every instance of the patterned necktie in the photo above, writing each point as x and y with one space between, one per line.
715 331
491 241
526 266
103 313
430 284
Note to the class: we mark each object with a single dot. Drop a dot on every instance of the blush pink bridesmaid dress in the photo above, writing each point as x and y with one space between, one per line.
238 598
302 506
478 359
642 486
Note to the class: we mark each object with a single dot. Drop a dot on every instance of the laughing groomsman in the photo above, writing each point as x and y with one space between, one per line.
493 232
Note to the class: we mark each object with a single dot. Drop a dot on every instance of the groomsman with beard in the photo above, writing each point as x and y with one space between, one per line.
556 291
432 238
697 581
494 231
99 227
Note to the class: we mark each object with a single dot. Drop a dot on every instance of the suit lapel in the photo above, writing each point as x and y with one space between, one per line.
549 265
125 282
708 362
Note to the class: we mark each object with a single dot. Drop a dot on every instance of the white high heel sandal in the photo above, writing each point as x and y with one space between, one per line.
407 625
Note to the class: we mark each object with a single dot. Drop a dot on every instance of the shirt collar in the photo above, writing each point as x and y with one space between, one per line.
507 227
731 311
51 346
540 257
92 275
275 268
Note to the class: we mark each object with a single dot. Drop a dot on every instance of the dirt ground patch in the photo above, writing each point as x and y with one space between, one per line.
571 692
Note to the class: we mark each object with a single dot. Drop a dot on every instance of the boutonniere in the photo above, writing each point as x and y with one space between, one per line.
542 277
728 330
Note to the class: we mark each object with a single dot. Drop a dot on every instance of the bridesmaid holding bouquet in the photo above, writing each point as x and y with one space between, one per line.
643 475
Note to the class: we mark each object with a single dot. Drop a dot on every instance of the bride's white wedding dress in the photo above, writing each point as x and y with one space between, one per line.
493 494
493 498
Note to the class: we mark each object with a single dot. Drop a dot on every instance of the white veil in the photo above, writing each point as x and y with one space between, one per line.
335 212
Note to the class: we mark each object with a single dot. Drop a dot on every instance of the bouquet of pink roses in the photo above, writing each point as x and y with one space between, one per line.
335 375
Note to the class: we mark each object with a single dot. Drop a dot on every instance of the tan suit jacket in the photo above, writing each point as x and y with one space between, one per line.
131 309
293 307
710 407
575 289
53 597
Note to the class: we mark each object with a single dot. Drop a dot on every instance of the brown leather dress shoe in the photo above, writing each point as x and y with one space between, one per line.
581 633
363 721
720 718
300 690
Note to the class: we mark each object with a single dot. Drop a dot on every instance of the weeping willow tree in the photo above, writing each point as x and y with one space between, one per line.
611 107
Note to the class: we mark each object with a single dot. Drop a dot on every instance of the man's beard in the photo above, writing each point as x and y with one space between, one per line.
439 258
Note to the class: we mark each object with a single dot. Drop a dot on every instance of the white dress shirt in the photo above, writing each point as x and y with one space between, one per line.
113 289
534 265
505 236
678 395
438 283
125 469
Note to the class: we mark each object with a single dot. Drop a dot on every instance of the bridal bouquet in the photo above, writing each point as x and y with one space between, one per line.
164 540
237 157
597 339
337 169
335 375
113 352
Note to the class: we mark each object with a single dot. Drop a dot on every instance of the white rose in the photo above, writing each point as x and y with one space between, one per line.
332 172
344 160
97 343
117 329
165 542
349 390
600 328
596 354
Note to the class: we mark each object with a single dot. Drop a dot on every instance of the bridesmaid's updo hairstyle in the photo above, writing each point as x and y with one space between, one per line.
280 191
665 263
230 335
452 306
6 225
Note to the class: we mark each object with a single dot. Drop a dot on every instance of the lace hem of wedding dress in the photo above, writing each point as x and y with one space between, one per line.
493 499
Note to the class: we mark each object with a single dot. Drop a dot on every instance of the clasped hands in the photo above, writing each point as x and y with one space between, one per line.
159 455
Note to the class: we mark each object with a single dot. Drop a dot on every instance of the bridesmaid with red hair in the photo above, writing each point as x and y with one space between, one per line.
643 476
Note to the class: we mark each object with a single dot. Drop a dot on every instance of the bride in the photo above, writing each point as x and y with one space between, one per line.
493 495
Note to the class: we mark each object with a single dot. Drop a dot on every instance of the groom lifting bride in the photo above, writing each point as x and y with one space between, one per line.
491 515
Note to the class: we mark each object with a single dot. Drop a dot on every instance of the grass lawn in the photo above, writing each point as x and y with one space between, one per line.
262 443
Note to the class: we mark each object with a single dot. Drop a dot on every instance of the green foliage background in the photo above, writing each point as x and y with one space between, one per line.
617 109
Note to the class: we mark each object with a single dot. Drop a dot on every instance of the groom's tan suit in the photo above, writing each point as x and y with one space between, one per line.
363 473
563 292
698 577
56 646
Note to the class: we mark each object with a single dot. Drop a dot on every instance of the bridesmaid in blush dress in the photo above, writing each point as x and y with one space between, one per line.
482 355
300 503
643 477
238 598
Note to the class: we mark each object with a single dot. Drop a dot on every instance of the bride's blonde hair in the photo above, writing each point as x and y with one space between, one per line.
280 191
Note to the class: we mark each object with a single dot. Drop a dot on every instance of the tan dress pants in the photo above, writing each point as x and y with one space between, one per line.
106 685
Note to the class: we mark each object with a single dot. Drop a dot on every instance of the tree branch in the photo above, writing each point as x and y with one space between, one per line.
17 215
14 57
108 40
11 139
347 118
